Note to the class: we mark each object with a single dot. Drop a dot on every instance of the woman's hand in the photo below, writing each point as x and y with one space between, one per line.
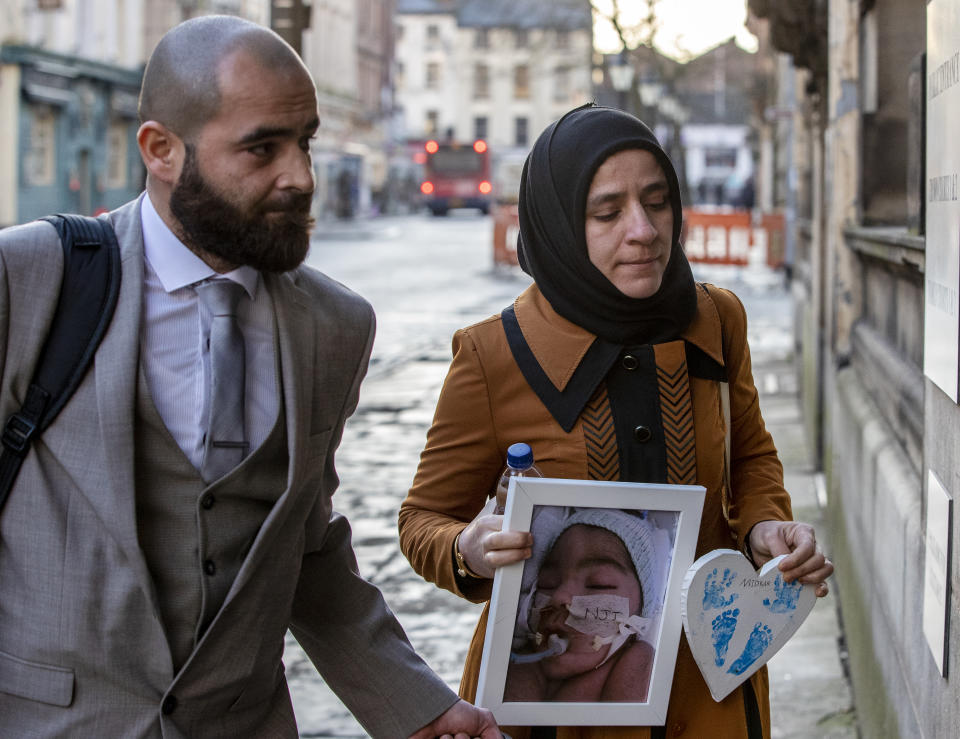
485 547
806 563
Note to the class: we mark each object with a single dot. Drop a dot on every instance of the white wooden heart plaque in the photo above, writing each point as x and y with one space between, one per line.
737 618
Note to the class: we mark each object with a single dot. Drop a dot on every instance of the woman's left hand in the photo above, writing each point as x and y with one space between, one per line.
806 563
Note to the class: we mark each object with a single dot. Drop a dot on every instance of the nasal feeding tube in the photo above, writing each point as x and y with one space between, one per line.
605 617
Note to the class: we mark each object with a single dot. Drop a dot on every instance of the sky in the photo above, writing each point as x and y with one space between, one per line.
686 25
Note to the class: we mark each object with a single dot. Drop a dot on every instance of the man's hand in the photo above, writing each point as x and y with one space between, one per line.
806 563
485 546
461 721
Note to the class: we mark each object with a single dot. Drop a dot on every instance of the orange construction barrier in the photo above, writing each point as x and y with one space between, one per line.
717 238
728 237
506 226
723 237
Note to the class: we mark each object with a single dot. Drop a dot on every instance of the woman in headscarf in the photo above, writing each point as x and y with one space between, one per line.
612 366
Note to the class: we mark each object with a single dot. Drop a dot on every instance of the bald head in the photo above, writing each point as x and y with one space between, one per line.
180 83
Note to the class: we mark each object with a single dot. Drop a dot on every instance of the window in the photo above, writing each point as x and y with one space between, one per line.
433 75
480 127
433 33
401 79
38 161
520 131
561 83
481 82
481 39
521 38
563 39
433 122
118 136
521 82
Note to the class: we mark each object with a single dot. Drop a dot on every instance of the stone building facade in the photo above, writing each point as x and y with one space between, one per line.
498 70
846 136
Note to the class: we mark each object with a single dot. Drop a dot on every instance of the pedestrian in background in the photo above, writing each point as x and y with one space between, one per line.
153 558
610 366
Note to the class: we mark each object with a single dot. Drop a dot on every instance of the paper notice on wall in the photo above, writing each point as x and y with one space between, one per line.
941 346
936 579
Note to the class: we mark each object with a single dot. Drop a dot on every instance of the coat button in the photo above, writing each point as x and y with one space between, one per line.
678 728
169 705
207 501
629 362
642 434
209 567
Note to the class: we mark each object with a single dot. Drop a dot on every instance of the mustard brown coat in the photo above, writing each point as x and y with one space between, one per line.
487 404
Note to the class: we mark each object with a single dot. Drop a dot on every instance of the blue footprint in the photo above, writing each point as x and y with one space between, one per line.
787 595
757 642
714 590
723 627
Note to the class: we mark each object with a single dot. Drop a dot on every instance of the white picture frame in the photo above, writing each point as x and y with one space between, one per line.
668 517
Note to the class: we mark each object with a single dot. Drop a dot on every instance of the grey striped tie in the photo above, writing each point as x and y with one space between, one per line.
225 442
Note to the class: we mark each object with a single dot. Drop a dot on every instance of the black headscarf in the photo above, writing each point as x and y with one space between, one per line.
552 246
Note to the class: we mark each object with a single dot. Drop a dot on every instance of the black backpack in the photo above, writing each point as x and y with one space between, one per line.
88 296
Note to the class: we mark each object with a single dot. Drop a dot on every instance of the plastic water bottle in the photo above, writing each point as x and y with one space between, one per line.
519 464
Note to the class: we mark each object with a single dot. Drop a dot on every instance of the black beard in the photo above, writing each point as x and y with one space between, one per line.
213 225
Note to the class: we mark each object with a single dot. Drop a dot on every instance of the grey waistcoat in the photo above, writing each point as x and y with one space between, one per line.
193 536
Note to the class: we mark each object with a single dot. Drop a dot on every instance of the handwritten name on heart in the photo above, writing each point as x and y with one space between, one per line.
737 618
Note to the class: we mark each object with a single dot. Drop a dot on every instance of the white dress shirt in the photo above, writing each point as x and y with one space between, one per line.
173 351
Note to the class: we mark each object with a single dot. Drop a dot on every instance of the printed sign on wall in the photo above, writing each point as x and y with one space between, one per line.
936 571
941 345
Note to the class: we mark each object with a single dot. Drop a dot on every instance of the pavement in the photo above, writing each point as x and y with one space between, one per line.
810 692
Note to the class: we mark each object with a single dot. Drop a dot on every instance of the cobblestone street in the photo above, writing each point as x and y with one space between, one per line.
426 278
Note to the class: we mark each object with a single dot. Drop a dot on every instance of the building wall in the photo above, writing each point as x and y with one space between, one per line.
349 50
455 98
9 142
427 79
558 80
74 124
105 30
881 425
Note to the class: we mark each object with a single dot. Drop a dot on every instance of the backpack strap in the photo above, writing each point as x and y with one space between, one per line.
88 296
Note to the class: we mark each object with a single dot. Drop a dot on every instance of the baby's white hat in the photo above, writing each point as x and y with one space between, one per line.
639 539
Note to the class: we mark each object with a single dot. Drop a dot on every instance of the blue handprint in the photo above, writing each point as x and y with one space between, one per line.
787 595
757 642
723 627
714 590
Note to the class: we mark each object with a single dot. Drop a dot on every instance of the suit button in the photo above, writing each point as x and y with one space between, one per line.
209 567
678 728
642 434
629 362
207 501
169 705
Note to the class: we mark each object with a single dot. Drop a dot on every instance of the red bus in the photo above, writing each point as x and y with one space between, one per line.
456 176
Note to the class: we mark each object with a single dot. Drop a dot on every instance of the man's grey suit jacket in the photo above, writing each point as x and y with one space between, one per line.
82 649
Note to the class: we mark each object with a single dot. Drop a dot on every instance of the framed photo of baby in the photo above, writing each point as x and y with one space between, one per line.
585 631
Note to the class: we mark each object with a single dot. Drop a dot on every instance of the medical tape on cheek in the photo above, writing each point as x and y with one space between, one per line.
540 601
597 615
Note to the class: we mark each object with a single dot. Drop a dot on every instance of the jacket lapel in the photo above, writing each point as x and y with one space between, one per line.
115 371
296 340
295 329
103 406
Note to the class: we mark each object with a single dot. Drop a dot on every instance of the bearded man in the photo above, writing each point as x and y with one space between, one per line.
151 561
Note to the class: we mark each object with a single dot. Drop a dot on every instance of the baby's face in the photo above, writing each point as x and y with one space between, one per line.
585 561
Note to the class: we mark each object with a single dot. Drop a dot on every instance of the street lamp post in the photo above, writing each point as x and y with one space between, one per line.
621 77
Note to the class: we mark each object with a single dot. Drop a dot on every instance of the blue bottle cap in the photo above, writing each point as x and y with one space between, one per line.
519 456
